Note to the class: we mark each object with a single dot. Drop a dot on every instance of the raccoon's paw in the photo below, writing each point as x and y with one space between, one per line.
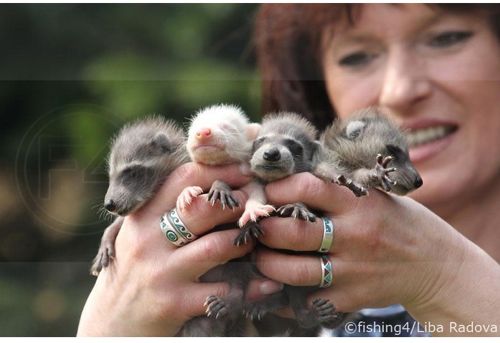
250 229
254 212
256 311
326 314
187 195
215 307
224 196
297 211
357 189
381 172
103 258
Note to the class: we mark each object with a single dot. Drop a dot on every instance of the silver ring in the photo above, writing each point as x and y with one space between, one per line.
175 230
326 272
326 242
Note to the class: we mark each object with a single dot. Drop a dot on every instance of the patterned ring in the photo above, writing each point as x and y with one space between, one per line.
326 272
328 229
175 230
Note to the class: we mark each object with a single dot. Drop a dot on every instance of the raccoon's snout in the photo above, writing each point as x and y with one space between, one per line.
418 182
110 205
272 155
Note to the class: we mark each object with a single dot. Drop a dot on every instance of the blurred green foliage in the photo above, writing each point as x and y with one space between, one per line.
70 76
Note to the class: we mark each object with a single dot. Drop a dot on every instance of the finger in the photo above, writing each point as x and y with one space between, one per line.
216 248
200 217
192 174
291 234
259 288
295 270
308 189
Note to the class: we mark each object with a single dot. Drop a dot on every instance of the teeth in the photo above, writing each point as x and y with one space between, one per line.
422 136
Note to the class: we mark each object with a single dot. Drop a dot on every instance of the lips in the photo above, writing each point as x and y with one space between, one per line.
427 135
427 138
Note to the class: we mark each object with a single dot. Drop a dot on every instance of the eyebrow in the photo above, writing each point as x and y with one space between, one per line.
352 37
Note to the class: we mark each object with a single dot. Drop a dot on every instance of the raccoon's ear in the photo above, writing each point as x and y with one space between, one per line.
316 150
252 131
160 143
354 129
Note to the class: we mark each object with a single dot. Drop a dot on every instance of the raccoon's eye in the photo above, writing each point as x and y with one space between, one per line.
394 150
295 148
131 173
257 143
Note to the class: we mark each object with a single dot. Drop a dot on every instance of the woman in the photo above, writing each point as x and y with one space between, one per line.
436 71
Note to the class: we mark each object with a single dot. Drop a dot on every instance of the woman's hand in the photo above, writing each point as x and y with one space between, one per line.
152 287
386 250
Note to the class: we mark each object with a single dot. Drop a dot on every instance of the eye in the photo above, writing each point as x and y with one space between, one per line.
131 173
356 59
394 150
257 143
449 38
295 148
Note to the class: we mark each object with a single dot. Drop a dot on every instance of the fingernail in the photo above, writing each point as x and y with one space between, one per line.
270 287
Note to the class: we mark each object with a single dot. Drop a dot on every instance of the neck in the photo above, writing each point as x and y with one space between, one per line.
479 219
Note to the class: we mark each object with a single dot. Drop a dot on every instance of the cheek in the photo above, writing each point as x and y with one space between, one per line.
353 92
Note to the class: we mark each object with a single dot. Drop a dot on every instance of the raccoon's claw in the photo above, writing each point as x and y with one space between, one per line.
187 195
381 172
250 229
226 198
326 313
215 307
358 190
220 191
297 211
103 258
255 311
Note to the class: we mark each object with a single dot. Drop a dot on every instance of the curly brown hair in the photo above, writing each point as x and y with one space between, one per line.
287 40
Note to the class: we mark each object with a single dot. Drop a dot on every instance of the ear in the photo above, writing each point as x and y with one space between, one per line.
252 131
316 151
354 129
160 143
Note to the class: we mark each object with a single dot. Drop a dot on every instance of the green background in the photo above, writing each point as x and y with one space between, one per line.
70 76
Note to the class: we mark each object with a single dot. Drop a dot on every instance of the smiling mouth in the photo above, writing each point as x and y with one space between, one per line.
427 135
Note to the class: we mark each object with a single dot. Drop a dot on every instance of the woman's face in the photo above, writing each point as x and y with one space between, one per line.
438 75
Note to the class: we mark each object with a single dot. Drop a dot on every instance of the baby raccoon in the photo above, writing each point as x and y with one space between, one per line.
367 151
142 155
286 145
219 135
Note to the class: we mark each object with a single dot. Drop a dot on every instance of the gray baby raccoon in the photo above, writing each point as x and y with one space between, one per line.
142 155
286 145
367 151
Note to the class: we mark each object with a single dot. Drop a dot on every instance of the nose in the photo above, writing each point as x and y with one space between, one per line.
203 133
405 81
272 155
418 182
110 205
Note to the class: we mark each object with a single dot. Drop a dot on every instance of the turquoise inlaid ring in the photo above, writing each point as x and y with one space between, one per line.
326 242
175 230
326 272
